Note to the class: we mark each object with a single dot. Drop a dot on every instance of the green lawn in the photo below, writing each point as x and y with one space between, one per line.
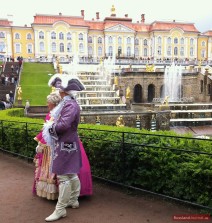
34 82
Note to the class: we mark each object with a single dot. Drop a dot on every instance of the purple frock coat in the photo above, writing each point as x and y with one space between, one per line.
67 155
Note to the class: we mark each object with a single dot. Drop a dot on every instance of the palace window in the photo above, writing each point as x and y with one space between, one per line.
182 41
90 51
128 40
17 36
69 47
203 43
191 51
41 35
81 48
169 40
2 47
42 49
182 51
2 35
136 41
159 50
191 41
61 36
61 47
136 52
119 40
17 48
128 51
53 35
99 51
90 39
110 51
159 40
203 53
110 39
145 42
29 48
29 36
99 40
69 36
80 36
54 49
175 51
145 52
175 40
169 51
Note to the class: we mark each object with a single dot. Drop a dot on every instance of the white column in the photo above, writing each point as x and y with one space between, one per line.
75 48
186 47
141 47
85 43
36 44
9 45
115 51
164 43
132 45
94 47
106 44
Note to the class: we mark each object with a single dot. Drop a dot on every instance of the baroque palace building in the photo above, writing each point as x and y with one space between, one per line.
67 36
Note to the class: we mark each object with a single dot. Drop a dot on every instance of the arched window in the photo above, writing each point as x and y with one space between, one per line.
110 40
81 48
191 51
145 42
137 94
17 48
2 35
69 47
175 51
110 51
201 86
191 41
2 47
99 51
136 41
203 43
128 51
29 36
182 41
100 40
159 50
17 36
159 40
61 47
41 35
182 51
90 51
42 49
53 35
169 40
151 92
61 36
54 49
145 52
68 36
29 48
136 52
128 40
175 40
169 51
203 53
80 36
90 39
119 40
119 51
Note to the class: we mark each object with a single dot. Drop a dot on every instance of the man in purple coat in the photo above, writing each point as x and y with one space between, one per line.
64 141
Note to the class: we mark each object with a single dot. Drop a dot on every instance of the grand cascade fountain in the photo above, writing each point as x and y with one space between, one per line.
167 96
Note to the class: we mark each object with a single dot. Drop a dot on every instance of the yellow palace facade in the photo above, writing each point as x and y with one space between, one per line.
63 36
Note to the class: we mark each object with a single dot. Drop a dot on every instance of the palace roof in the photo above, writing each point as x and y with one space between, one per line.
112 21
208 33
5 22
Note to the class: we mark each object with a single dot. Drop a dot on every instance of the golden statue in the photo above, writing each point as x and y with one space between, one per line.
120 121
128 92
19 92
113 10
116 82
53 89
150 68
166 100
60 69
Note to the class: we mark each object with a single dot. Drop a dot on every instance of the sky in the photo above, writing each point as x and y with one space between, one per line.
21 12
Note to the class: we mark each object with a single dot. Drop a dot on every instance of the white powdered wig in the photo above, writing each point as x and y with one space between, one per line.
51 80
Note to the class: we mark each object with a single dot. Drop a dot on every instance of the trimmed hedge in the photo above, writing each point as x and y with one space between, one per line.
177 166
